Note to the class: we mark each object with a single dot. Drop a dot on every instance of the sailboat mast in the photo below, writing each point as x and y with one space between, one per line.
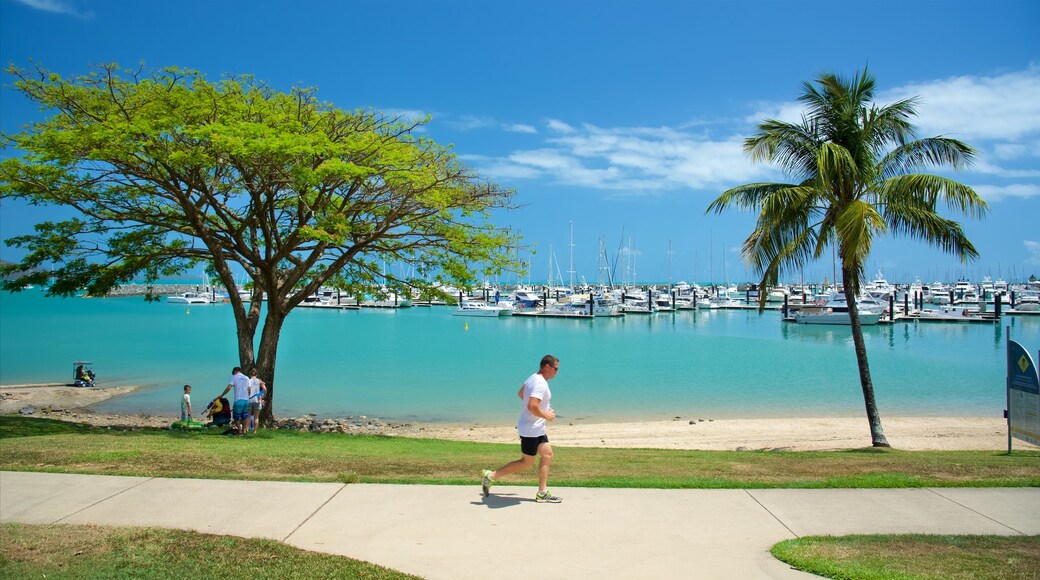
571 271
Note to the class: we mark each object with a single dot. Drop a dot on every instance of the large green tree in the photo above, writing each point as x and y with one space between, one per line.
857 171
166 170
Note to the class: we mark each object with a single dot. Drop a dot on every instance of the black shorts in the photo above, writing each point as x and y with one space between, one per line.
529 445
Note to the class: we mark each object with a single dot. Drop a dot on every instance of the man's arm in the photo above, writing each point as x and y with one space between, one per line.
532 406
226 389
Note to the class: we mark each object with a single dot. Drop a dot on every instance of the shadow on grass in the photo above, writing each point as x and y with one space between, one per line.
18 426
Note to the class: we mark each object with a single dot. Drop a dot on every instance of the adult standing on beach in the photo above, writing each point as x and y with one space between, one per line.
257 390
240 410
535 412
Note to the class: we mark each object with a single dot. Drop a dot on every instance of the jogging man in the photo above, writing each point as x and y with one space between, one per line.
535 412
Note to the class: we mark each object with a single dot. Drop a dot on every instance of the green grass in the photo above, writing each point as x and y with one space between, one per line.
28 551
28 444
904 557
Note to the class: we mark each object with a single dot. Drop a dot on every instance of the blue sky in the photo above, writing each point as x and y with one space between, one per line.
617 120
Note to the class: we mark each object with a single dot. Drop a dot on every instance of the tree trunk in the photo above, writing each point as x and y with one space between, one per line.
877 434
267 354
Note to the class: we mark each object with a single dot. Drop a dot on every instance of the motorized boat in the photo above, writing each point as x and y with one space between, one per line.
188 298
951 313
474 308
834 309
579 304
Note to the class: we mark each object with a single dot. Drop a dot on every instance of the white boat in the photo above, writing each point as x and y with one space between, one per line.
778 294
505 307
188 298
473 308
964 292
879 288
824 315
526 300
578 304
720 301
834 309
950 313
1027 301
665 302
637 305
388 299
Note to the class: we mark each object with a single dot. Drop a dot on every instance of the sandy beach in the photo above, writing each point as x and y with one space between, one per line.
795 434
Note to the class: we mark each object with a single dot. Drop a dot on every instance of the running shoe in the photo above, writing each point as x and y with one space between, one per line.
547 497
486 485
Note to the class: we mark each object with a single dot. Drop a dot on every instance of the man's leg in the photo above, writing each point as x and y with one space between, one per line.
545 456
521 464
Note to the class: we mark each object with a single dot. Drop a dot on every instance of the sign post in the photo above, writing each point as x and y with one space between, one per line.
1023 394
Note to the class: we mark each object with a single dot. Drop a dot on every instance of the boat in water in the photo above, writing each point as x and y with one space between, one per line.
834 309
951 313
479 309
188 298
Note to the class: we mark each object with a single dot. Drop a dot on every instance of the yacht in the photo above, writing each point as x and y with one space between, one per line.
879 288
578 304
834 309
1027 301
188 298
525 299
951 313
474 308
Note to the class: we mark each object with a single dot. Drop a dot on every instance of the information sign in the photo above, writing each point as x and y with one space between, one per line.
1023 395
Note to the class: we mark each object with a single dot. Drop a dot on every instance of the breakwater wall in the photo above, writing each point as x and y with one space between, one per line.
162 289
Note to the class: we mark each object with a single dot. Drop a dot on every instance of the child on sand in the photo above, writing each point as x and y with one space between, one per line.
186 404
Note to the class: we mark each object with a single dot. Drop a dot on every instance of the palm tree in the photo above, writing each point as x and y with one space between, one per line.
859 174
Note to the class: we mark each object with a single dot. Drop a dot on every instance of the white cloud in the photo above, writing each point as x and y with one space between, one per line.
558 126
1000 115
1004 107
469 123
520 128
630 161
57 7
998 192
1013 151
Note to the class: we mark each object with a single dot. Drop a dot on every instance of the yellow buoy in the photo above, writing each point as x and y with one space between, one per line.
467 326
187 311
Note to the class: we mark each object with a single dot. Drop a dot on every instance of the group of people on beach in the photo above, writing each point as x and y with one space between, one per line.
249 393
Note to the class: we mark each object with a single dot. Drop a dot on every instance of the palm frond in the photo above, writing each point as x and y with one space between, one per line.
928 190
928 152
791 147
928 226
749 196
856 226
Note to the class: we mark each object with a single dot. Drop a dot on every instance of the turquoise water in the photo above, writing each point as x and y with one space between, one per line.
423 364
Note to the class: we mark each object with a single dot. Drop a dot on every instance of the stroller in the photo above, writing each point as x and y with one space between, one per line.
218 412
83 373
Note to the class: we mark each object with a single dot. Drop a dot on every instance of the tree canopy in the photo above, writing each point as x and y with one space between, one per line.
167 170
859 172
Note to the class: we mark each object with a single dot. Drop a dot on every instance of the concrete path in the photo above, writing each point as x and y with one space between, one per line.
453 532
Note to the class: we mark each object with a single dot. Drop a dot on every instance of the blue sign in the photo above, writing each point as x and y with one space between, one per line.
1023 385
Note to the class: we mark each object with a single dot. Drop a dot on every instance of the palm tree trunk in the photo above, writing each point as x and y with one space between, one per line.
877 434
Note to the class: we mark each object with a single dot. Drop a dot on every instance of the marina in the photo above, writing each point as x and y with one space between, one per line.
397 363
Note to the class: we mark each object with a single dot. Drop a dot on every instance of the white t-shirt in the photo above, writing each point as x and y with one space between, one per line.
241 384
254 388
529 425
